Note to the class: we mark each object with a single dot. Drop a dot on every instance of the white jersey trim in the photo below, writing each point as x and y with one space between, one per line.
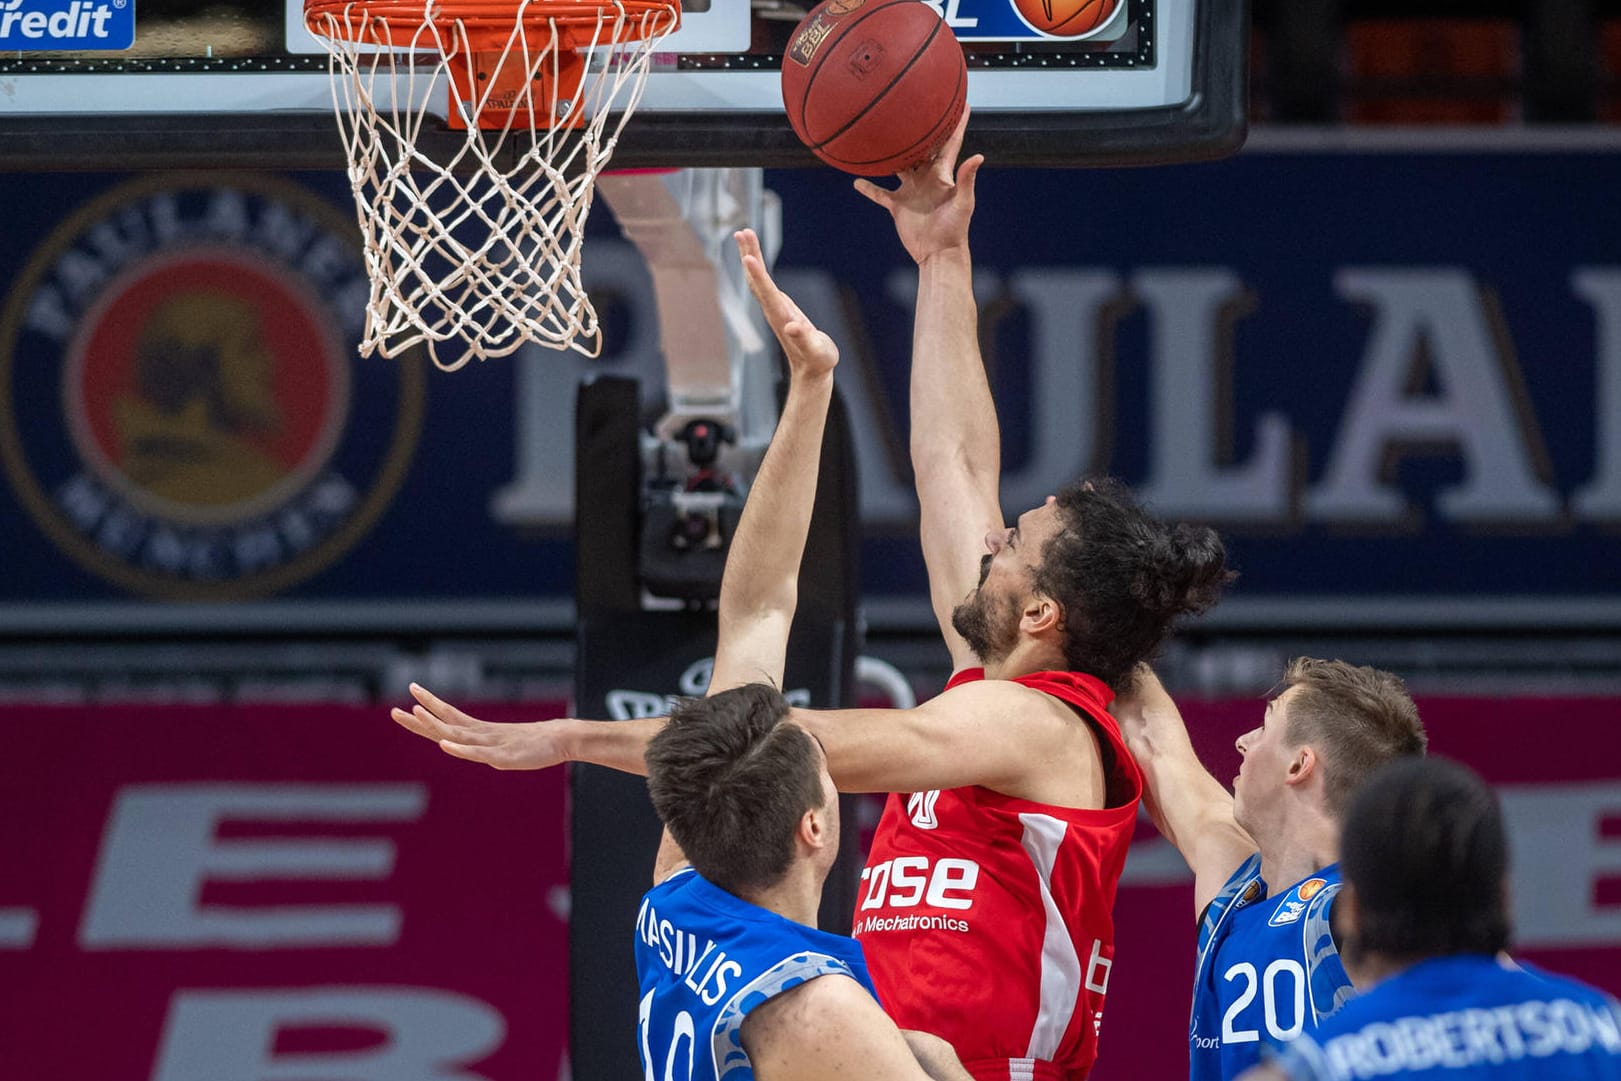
1060 963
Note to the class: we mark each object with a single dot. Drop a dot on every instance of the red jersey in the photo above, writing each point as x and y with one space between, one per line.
987 920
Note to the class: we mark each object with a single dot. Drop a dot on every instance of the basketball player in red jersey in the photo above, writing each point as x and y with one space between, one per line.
985 907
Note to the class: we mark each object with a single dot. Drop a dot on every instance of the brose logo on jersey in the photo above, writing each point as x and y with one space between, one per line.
82 25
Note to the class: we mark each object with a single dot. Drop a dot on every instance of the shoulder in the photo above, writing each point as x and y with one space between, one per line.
809 1015
1004 700
1552 982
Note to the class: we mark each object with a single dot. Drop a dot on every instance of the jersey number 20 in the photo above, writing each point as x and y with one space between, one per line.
1270 994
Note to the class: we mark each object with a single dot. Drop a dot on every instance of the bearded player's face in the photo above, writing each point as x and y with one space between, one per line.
988 619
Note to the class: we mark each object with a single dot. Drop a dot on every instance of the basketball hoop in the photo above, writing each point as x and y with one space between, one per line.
482 251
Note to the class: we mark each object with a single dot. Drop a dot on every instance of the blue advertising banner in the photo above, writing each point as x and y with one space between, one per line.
1392 379
85 25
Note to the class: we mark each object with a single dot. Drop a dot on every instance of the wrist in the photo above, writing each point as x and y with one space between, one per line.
567 733
953 257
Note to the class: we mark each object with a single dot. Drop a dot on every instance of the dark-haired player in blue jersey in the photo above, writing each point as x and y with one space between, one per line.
1425 920
736 981
1265 858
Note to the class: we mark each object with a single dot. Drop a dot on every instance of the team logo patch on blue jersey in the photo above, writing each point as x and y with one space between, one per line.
1293 905
31 25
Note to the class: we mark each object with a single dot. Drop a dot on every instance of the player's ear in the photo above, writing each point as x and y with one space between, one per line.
1304 763
813 829
1041 615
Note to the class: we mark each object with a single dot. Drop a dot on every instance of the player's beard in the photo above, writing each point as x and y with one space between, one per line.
990 625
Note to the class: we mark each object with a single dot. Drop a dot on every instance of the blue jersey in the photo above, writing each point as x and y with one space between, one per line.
1466 1018
1268 970
704 959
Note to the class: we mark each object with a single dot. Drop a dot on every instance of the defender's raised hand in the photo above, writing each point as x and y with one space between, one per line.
935 200
809 351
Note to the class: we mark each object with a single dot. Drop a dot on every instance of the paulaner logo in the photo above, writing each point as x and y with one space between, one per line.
67 24
181 407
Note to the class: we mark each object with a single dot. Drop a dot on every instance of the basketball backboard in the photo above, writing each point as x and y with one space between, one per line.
242 83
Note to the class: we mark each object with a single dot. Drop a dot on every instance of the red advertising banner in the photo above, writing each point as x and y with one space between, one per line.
257 893
196 894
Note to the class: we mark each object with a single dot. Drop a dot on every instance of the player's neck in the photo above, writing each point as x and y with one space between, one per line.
796 896
1028 656
1304 843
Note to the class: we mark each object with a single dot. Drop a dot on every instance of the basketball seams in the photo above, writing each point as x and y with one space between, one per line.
841 31
875 99
935 136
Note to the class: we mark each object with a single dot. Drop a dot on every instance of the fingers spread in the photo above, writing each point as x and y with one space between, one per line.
968 170
881 196
411 721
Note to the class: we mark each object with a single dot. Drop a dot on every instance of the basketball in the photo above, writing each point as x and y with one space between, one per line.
1065 18
873 87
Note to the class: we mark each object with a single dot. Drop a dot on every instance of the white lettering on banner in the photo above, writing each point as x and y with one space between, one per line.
1436 316
1601 287
1192 313
1559 853
1426 320
1072 315
80 19
949 11
160 848
428 1035
18 927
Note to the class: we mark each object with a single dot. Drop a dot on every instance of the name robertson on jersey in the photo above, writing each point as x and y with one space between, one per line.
702 966
179 388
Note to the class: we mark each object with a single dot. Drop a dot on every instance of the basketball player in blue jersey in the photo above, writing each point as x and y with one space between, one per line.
736 981
1424 912
1265 858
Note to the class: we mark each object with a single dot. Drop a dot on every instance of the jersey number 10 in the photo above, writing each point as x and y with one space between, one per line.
682 1030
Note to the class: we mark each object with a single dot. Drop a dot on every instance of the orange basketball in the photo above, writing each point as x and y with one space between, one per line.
873 87
1066 18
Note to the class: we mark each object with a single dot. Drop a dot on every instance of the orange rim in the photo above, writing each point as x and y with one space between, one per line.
487 23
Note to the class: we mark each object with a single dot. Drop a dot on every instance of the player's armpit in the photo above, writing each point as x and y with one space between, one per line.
828 1029
996 734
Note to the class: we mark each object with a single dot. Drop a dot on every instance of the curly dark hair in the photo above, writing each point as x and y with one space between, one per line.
1122 577
731 781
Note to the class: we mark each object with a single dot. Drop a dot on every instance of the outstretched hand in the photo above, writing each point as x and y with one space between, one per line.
530 745
935 200
809 351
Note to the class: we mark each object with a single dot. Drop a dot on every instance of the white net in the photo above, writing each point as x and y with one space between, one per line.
476 253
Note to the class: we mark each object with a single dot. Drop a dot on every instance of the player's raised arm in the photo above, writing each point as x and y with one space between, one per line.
759 589
1190 808
955 443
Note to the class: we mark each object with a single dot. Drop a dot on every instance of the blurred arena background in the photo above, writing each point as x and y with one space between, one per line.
1379 349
